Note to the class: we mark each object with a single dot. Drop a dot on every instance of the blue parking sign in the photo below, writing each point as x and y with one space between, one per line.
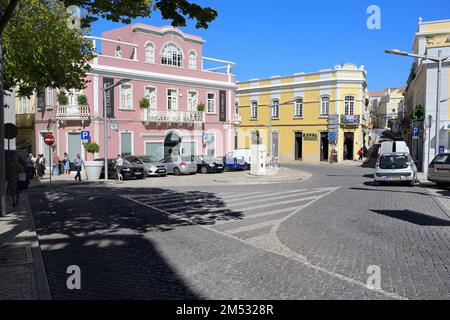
85 135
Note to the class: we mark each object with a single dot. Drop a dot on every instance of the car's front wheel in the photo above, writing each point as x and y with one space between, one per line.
226 169
177 171
204 170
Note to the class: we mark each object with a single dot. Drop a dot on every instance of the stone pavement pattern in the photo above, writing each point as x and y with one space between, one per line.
312 239
21 269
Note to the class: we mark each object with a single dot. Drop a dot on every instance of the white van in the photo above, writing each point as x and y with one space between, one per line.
393 147
243 154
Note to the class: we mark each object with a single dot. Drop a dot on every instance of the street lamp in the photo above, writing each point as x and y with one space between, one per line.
105 118
439 59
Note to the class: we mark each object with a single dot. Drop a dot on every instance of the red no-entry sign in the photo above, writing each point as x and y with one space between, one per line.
49 139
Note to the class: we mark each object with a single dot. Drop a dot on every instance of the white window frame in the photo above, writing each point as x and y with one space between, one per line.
150 58
210 102
153 104
173 63
349 105
192 62
121 102
49 96
215 144
118 52
254 109
120 141
172 102
324 106
24 104
298 108
72 95
192 106
275 109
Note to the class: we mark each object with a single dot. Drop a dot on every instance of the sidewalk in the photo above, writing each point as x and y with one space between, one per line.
22 272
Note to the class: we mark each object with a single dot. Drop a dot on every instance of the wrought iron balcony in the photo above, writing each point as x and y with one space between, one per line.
172 116
350 119
72 112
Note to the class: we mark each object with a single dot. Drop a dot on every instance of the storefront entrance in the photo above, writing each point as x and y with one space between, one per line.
348 145
172 145
298 146
324 152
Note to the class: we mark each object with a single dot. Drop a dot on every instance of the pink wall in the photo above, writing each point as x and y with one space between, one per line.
130 120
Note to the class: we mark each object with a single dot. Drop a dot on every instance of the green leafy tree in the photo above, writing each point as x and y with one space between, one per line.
40 50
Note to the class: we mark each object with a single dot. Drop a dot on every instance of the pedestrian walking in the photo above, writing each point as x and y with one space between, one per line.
55 164
118 167
40 166
66 163
360 154
30 166
16 178
78 163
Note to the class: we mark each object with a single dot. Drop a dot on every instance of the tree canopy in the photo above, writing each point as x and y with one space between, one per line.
41 50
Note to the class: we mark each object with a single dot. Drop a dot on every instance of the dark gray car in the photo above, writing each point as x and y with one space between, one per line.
152 166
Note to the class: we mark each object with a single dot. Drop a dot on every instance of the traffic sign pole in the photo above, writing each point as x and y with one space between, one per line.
49 140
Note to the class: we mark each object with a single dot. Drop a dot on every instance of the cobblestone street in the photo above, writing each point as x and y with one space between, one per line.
308 239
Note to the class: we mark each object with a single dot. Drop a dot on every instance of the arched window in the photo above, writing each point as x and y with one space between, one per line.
118 51
298 112
324 105
171 55
192 60
349 105
275 109
149 53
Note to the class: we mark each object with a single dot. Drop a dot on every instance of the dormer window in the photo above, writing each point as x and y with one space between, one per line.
172 55
149 53
118 52
192 60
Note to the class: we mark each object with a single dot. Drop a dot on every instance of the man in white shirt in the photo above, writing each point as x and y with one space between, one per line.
118 167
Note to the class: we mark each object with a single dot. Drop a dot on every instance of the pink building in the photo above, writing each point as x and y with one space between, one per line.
167 67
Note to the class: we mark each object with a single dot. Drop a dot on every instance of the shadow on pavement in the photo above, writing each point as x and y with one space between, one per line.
418 218
107 234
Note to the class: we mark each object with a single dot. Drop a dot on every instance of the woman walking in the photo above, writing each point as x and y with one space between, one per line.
66 162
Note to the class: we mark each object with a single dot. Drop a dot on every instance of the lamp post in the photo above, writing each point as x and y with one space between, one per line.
439 59
105 119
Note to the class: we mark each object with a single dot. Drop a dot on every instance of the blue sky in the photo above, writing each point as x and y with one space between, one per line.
267 38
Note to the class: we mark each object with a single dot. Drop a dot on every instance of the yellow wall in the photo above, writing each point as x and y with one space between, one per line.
287 125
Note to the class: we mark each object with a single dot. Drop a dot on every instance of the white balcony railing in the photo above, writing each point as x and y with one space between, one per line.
237 118
72 112
172 116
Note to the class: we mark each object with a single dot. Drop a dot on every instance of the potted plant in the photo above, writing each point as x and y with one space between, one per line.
201 107
63 99
82 100
144 103
93 168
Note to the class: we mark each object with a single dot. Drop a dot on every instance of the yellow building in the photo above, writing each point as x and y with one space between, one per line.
304 108
25 114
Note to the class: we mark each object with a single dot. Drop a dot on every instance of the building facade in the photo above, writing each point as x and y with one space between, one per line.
433 39
167 68
387 106
295 114
25 115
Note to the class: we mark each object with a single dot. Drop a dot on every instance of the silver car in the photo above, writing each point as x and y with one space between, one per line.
153 167
395 167
439 170
180 165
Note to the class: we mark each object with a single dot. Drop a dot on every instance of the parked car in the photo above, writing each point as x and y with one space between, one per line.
152 165
395 167
178 165
128 170
439 170
231 163
207 164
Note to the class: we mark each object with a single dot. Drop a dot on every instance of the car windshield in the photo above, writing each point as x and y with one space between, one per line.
394 162
148 159
188 158
443 158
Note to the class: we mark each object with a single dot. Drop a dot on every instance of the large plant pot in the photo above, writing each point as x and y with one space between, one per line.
93 169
